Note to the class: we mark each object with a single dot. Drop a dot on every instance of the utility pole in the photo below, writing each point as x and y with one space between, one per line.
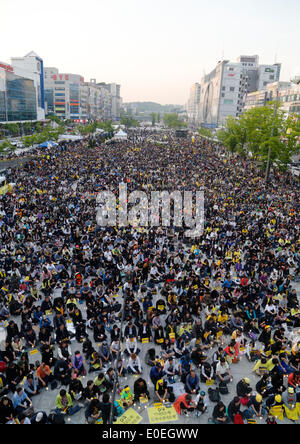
272 135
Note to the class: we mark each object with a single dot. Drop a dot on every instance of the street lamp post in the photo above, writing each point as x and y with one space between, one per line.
272 135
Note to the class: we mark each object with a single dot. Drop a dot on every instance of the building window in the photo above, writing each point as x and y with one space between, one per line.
232 88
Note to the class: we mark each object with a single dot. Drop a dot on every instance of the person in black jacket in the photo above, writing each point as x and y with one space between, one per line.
105 407
243 388
47 356
145 331
219 414
13 376
140 389
6 410
99 332
234 408
115 334
12 330
262 386
62 372
130 330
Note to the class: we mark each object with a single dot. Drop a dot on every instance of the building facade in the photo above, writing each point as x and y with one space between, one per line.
22 95
66 95
224 90
289 97
69 97
194 103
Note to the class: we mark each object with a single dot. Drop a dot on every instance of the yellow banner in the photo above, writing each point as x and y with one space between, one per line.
162 414
129 417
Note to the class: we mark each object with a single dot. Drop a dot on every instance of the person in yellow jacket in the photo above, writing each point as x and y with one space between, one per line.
291 406
263 366
64 404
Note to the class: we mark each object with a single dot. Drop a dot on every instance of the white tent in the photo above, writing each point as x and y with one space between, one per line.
69 137
120 135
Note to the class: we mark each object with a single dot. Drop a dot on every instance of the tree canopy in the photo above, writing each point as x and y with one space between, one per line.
258 129
171 120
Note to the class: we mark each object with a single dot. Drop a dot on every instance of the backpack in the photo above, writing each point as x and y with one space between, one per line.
238 419
214 395
56 418
3 366
223 388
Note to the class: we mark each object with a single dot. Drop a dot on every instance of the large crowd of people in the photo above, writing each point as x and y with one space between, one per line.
91 298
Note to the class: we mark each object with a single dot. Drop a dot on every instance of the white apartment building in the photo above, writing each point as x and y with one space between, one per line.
194 103
31 67
289 97
69 97
224 90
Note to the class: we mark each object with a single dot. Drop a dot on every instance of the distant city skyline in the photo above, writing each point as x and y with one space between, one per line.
156 50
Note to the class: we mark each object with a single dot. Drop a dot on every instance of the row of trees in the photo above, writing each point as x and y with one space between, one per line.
39 134
258 129
90 128
172 120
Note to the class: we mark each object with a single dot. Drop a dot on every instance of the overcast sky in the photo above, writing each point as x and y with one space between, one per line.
155 49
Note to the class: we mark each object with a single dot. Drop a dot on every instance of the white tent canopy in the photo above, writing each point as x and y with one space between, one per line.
120 135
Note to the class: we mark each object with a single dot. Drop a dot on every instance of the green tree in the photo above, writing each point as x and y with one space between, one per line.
257 130
153 118
171 120
6 146
129 122
206 132
12 128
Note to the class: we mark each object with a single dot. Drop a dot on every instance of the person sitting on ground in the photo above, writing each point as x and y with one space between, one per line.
192 383
64 404
219 414
140 390
184 404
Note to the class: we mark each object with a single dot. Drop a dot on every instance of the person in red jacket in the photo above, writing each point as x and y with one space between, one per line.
184 403
294 380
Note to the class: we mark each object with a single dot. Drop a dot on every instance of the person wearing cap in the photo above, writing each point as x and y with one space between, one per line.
289 399
256 406
243 390
201 402
275 406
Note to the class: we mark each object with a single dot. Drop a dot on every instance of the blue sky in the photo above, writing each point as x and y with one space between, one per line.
155 49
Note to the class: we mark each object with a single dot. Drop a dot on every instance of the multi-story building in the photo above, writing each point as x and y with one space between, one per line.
224 90
22 89
194 103
114 91
68 96
289 97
